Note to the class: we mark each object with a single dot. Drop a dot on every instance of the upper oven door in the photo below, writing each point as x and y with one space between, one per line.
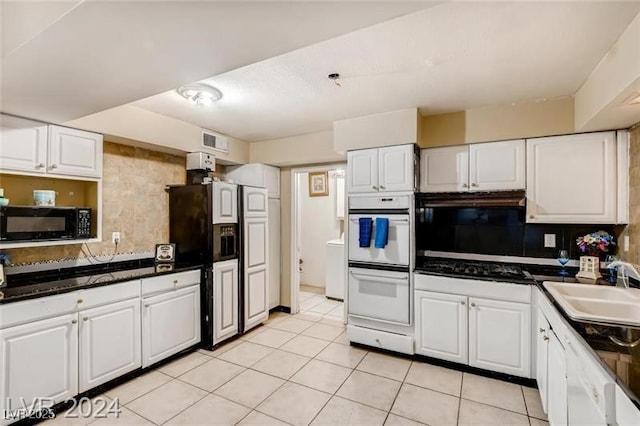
396 252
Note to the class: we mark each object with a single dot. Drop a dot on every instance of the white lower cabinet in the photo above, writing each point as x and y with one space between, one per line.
225 299
39 360
541 332
448 340
489 334
500 336
170 323
109 342
556 382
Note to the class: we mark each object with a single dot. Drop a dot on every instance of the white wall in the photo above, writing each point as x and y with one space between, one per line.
318 224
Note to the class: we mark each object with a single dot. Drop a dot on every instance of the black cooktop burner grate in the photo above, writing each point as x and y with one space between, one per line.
474 269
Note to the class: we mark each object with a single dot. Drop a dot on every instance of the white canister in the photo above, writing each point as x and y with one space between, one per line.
44 197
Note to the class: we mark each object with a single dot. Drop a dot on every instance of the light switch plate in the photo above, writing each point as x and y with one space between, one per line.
550 240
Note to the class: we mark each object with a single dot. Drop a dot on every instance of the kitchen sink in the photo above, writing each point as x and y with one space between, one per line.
597 303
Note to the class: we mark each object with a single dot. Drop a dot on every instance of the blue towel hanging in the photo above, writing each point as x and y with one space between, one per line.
382 232
364 237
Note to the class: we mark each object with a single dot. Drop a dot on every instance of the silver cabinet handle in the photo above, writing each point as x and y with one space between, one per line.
474 184
40 166
463 303
542 330
146 306
381 186
80 300
374 187
74 321
175 282
464 185
53 166
531 216
473 305
545 338
86 318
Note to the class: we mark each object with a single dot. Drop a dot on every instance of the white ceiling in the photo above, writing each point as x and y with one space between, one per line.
62 60
73 58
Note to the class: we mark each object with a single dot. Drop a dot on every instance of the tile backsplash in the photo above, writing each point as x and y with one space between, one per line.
134 203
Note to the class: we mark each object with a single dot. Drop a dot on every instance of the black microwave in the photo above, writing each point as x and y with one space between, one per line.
24 223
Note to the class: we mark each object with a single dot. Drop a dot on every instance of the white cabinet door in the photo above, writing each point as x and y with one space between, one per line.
274 252
572 179
542 331
255 202
225 296
74 152
225 202
444 169
23 145
39 360
170 323
396 168
500 336
497 165
441 326
110 344
557 382
256 274
362 170
272 180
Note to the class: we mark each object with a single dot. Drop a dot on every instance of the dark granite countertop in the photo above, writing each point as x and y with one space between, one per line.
56 281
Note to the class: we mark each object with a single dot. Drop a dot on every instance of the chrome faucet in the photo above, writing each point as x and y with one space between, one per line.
625 270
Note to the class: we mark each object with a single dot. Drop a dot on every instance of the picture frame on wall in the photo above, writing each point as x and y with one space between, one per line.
318 184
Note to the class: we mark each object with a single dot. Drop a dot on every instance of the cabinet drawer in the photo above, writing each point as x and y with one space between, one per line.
108 294
380 339
163 283
37 309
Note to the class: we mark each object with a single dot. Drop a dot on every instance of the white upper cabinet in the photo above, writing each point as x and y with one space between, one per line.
444 169
74 152
23 145
497 165
362 170
396 168
572 179
257 174
492 166
390 168
34 147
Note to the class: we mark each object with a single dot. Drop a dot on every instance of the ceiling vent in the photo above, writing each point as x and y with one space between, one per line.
213 141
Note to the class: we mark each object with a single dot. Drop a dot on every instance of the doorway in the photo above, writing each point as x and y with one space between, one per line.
317 242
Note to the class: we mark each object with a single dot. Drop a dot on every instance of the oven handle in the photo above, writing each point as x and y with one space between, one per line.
403 279
390 220
380 320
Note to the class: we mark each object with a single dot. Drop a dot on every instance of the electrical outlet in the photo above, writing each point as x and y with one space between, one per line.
115 237
625 244
550 240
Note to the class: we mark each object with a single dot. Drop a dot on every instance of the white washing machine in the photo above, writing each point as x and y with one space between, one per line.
335 270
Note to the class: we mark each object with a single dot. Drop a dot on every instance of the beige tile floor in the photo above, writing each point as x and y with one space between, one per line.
300 370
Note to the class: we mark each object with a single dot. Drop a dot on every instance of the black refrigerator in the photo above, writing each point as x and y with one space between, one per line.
199 237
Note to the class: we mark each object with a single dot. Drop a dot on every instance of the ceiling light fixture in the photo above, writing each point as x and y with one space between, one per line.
200 93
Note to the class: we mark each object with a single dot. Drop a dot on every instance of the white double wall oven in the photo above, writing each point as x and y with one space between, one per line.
379 282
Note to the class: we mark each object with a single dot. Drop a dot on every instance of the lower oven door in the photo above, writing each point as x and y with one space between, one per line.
379 295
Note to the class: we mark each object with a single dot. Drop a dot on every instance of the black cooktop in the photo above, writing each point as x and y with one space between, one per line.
479 270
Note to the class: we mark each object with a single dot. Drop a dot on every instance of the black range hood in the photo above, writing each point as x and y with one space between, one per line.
472 199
